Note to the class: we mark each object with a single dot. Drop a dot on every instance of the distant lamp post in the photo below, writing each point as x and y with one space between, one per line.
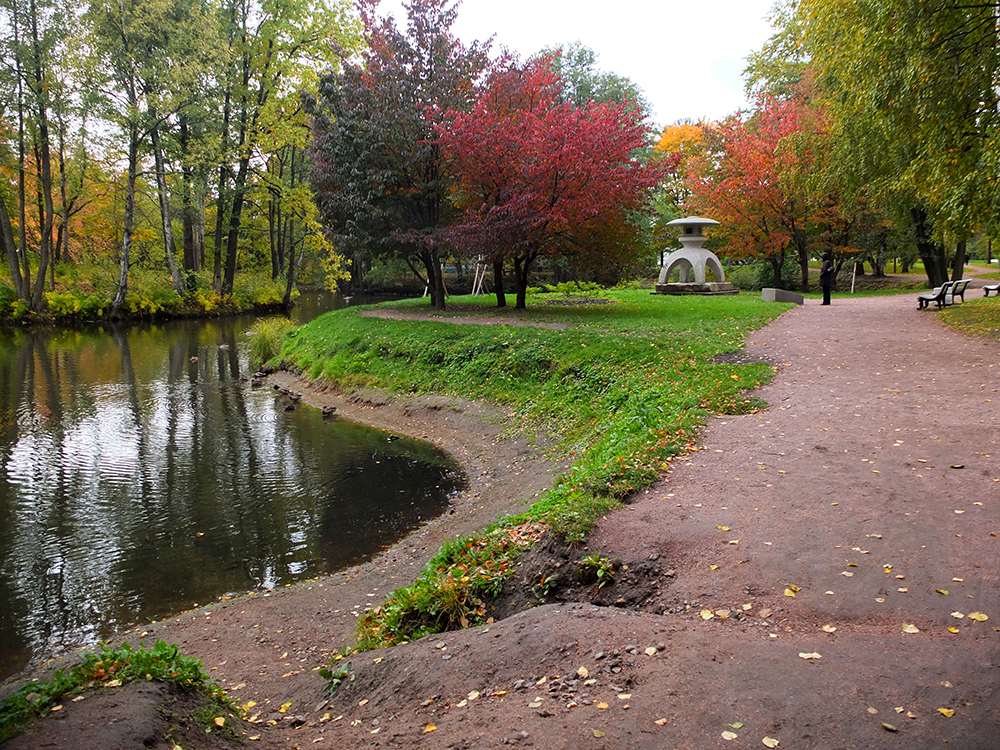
693 260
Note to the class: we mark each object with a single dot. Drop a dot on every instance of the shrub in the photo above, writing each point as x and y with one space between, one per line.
266 337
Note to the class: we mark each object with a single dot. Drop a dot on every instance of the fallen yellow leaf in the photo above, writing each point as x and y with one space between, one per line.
651 651
812 655
829 628
602 705
707 614
598 733
793 587
789 592
429 728
720 527
907 628
943 592
582 672
978 616
660 722
953 630
949 712
957 615
220 721
728 736
286 706
770 742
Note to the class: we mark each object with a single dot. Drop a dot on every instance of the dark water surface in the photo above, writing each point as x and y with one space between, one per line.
140 475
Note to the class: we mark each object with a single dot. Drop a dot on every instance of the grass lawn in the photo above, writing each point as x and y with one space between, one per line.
977 317
621 389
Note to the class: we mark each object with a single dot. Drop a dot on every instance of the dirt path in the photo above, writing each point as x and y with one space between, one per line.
843 492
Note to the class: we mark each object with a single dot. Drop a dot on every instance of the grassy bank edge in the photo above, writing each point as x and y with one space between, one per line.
452 590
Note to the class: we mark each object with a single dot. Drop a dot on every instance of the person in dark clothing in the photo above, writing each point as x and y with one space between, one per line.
826 276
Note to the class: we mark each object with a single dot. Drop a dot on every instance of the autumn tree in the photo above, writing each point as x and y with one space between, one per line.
755 179
379 178
536 176
911 88
32 30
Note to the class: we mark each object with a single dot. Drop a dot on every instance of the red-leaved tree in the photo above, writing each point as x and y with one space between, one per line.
539 177
756 178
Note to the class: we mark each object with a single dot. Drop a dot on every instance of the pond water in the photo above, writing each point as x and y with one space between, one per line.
141 474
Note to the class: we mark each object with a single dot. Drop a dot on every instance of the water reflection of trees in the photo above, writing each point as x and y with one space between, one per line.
141 475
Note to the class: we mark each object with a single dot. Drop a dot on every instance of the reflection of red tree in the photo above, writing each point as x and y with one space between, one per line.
538 177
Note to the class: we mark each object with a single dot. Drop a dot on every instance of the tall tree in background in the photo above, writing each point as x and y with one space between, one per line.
541 177
755 179
582 81
912 90
379 178
32 31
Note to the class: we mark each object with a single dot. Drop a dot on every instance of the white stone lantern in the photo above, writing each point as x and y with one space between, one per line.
693 260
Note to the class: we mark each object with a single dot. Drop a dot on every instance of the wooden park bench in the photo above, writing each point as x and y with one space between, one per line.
958 290
940 295
991 288
945 294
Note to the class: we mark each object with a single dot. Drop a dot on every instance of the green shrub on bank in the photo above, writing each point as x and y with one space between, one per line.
266 337
86 295
622 389
106 668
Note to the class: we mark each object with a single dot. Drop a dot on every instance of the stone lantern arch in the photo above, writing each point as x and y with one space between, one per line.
693 260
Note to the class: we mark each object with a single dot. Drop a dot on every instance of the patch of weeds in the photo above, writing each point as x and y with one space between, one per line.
596 568
105 668
449 593
219 718
336 671
547 584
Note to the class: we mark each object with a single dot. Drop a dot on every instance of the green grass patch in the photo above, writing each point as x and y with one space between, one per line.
106 668
622 388
266 336
976 317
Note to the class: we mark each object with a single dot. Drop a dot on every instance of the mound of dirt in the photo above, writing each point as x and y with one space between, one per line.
145 714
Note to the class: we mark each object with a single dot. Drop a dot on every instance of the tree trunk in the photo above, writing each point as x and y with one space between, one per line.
293 265
803 254
235 218
498 282
958 270
522 268
188 218
45 242
169 248
931 253
9 246
118 302
220 201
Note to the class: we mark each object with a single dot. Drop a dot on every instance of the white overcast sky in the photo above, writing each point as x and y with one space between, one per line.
687 55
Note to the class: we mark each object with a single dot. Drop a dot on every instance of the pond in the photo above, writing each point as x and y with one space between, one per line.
141 474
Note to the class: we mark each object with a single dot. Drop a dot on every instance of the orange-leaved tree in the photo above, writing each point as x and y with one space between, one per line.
756 177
